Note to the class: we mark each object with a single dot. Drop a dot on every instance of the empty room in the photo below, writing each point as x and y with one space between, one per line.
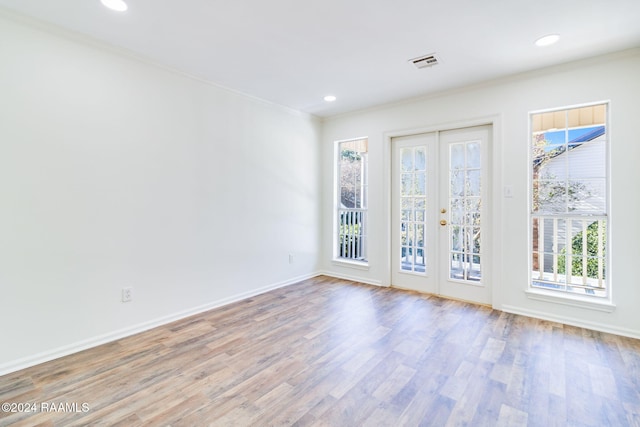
338 213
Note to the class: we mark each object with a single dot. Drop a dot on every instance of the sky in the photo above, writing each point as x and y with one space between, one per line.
556 138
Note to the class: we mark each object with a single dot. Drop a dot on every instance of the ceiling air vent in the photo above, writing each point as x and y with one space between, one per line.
425 61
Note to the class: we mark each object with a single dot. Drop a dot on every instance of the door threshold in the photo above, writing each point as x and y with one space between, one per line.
442 296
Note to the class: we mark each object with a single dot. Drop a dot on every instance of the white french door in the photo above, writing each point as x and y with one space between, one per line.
440 213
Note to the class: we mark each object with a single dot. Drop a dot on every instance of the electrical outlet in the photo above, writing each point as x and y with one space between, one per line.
127 294
290 258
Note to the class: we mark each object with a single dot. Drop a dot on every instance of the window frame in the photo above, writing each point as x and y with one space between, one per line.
564 296
362 262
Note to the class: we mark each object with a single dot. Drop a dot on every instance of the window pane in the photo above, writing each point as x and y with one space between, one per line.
569 200
348 197
585 159
587 196
549 197
352 199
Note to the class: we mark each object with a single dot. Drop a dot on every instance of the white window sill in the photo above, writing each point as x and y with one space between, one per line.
571 300
359 265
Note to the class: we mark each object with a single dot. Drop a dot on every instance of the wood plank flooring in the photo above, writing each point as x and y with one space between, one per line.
327 352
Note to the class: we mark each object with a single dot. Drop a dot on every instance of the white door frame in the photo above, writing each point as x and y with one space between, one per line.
494 168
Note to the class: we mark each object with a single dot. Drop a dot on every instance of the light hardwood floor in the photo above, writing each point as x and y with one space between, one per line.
327 352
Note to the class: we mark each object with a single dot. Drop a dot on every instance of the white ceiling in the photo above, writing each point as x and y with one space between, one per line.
293 52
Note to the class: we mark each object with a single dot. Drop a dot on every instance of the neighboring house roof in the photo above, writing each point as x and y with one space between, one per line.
590 136
574 143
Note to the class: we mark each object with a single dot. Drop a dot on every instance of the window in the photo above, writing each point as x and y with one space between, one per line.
569 200
352 187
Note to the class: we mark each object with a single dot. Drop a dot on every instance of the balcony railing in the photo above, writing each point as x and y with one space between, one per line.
352 235
569 254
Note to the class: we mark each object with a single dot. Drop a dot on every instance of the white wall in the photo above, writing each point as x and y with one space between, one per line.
117 173
508 102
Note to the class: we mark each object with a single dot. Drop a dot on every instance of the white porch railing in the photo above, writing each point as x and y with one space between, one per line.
569 252
351 235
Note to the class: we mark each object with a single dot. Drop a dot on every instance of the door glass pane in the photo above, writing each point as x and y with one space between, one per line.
406 184
473 155
421 182
456 266
403 233
474 269
413 182
421 159
464 211
410 234
475 247
456 238
457 156
473 183
457 183
457 211
420 261
472 204
420 235
406 203
407 159
406 260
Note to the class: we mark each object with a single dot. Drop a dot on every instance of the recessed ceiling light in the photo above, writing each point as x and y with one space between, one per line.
547 40
117 5
330 98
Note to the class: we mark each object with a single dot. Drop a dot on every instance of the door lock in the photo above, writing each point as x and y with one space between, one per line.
443 222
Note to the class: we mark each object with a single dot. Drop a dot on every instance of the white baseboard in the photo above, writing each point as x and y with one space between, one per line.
596 326
46 356
352 278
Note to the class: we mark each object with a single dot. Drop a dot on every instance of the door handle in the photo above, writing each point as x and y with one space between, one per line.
443 222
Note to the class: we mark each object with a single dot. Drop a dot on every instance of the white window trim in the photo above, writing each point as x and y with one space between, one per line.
604 304
343 262
336 259
564 298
